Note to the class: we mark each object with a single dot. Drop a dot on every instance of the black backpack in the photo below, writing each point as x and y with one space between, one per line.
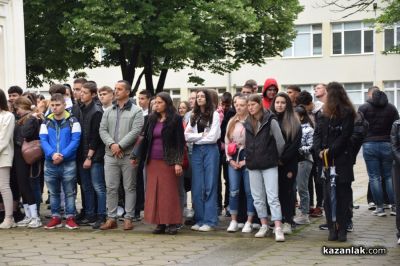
360 132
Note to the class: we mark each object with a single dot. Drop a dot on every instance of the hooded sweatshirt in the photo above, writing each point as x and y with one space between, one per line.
268 83
380 115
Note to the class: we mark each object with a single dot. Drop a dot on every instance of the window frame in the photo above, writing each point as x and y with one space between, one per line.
364 27
394 28
311 32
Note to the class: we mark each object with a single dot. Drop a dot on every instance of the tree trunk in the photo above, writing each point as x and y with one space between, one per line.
133 92
128 65
163 75
148 72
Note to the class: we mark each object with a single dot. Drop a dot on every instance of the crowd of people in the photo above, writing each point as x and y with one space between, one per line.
272 152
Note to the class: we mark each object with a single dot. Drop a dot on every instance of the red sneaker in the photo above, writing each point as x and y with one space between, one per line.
70 223
317 212
55 222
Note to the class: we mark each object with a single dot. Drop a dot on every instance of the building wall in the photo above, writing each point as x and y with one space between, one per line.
12 44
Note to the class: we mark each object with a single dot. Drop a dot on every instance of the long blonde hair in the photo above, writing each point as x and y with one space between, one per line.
232 122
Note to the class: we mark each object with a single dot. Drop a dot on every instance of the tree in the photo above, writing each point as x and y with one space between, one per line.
158 36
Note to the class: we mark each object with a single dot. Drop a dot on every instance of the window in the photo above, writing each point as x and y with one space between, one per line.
308 42
392 37
352 38
357 92
175 95
392 90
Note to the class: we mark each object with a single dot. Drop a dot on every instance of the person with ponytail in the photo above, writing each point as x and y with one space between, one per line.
26 129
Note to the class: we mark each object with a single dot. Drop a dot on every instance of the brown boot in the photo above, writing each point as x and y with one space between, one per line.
128 224
111 223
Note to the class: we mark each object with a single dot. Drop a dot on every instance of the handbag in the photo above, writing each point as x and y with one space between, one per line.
31 151
138 148
232 149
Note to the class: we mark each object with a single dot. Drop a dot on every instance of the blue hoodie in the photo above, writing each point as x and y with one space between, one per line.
61 138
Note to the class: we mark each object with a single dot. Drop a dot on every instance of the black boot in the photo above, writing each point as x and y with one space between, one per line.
100 220
172 229
342 235
160 229
333 234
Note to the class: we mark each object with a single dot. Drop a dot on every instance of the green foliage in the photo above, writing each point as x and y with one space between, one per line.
158 35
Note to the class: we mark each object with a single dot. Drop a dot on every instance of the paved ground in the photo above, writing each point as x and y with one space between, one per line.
140 247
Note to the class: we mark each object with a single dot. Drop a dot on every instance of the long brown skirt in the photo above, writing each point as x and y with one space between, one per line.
162 204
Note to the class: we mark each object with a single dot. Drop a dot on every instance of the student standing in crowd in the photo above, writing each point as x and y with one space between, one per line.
380 115
305 164
163 156
7 124
288 162
269 91
59 135
332 141
235 137
106 96
119 128
26 128
293 92
395 140
91 158
203 131
264 145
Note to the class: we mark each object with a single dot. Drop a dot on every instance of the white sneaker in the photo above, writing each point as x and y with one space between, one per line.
35 223
380 212
279 235
247 228
8 223
263 231
205 228
286 228
233 227
301 219
256 226
195 227
24 222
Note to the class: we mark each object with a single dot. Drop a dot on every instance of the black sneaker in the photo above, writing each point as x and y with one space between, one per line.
80 216
190 222
87 221
100 220
137 218
350 227
323 227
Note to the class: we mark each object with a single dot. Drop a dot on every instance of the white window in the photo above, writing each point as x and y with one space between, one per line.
392 37
357 92
352 38
308 42
392 90
175 95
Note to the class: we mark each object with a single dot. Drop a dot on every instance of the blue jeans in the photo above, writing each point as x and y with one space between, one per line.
205 164
93 182
378 158
234 185
56 175
302 178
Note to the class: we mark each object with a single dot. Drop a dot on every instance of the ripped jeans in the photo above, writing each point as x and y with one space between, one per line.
235 177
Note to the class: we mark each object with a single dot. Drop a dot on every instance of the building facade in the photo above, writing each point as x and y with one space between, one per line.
12 44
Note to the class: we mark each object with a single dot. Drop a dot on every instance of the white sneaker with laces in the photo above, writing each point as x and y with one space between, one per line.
279 235
263 231
301 219
233 227
24 222
205 228
35 223
286 228
247 228
195 227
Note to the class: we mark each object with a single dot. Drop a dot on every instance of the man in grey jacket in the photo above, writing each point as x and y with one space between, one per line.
120 126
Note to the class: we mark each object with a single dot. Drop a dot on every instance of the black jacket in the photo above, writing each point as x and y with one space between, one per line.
29 130
380 115
90 117
172 136
335 134
261 151
395 141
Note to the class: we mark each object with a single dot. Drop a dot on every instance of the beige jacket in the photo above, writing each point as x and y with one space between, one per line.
7 124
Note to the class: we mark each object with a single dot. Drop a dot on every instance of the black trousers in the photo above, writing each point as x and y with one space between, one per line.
22 171
396 188
223 169
315 180
344 197
287 197
140 189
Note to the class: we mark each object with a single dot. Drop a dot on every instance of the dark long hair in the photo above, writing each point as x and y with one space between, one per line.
3 101
290 123
203 118
338 103
302 112
170 110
